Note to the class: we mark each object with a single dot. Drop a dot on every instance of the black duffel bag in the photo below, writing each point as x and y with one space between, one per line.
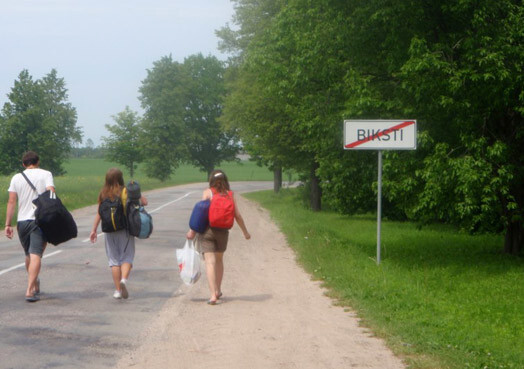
55 221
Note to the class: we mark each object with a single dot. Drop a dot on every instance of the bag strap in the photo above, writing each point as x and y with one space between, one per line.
124 200
214 192
30 183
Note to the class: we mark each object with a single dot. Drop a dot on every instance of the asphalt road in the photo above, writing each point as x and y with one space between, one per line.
77 323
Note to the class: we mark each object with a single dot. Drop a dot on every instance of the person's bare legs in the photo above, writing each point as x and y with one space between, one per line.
211 271
126 269
33 264
219 268
117 276
36 266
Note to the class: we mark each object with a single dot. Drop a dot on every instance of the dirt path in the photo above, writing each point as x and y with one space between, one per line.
271 316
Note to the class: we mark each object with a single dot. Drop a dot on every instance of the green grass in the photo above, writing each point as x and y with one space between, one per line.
84 178
440 298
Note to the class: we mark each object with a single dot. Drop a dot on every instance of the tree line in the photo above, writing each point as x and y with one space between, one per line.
296 70
182 103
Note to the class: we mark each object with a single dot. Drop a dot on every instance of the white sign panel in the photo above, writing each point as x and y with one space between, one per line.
380 134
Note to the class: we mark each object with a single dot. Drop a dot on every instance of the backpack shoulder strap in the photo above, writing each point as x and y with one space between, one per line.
123 195
123 199
29 182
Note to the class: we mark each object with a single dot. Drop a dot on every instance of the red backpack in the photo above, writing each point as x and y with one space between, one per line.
221 210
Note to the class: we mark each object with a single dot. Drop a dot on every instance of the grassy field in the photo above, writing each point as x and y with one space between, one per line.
84 178
440 298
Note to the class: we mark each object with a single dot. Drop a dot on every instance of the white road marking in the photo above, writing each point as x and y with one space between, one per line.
23 264
154 210
171 202
98 235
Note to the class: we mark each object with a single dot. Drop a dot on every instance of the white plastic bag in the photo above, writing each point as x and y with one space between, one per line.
188 263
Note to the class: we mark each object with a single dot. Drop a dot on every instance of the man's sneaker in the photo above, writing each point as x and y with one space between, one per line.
123 287
117 294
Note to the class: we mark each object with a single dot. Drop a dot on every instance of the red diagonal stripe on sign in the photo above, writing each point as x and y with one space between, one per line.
380 134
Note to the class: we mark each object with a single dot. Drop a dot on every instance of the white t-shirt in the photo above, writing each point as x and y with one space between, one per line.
41 179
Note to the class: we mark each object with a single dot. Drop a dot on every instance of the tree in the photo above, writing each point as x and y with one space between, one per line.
123 143
182 103
207 143
260 124
252 18
475 63
299 63
38 117
256 116
88 151
90 144
162 98
456 67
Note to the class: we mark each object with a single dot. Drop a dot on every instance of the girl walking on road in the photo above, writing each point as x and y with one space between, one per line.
120 245
213 242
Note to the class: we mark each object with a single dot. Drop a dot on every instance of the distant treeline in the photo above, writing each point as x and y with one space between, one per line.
88 152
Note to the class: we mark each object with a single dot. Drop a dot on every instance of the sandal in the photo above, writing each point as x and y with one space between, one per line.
33 298
211 302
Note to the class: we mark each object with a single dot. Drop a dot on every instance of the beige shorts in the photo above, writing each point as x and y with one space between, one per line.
213 240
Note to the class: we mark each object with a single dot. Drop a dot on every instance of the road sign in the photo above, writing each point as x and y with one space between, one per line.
380 134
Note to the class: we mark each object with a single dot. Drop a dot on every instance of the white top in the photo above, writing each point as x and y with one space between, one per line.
41 179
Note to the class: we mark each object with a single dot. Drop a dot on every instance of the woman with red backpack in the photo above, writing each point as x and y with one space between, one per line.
213 242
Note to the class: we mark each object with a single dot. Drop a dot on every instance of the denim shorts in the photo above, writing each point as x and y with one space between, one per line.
31 237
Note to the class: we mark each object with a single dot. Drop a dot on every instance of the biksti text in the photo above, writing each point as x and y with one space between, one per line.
380 134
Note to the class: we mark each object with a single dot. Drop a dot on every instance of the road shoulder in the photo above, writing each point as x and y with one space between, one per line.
271 316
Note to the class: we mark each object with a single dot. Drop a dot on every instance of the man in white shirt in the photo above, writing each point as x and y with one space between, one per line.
31 237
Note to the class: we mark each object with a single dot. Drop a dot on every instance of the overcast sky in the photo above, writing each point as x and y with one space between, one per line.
102 48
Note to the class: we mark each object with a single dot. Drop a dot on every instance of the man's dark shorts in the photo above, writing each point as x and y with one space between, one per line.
31 237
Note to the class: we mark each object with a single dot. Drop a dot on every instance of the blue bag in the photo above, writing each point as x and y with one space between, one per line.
199 220
139 221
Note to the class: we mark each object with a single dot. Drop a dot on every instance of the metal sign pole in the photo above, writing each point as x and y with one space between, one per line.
379 204
377 134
